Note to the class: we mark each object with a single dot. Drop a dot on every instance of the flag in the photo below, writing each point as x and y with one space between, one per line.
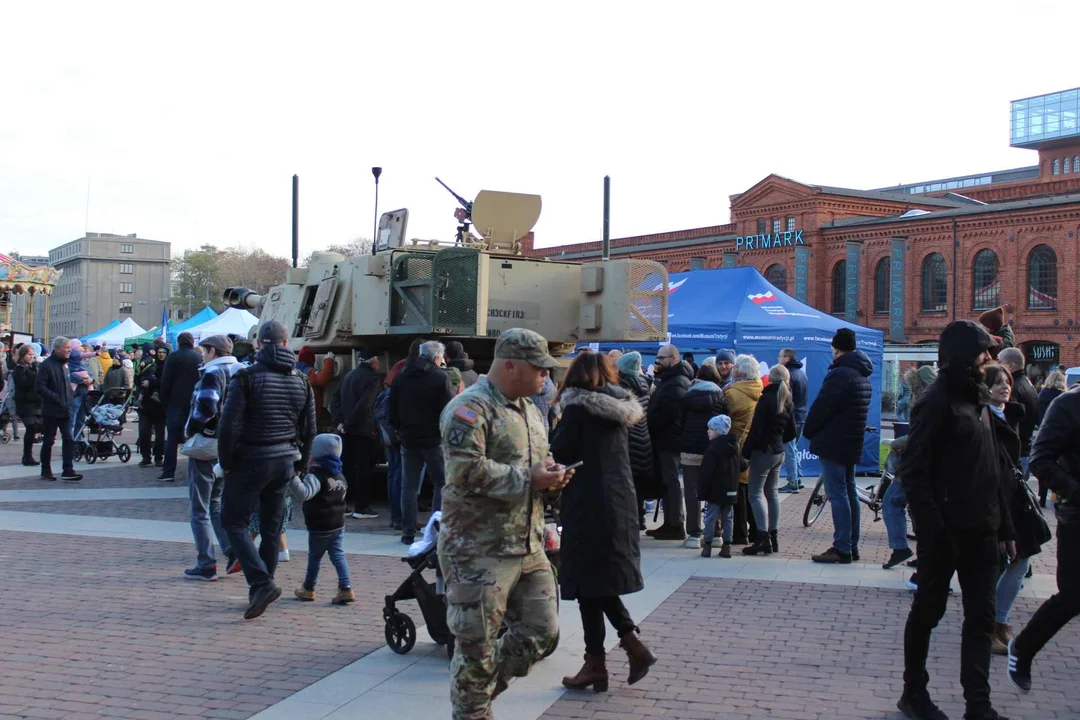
164 321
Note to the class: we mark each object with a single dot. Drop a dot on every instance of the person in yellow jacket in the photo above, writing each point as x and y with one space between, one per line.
742 397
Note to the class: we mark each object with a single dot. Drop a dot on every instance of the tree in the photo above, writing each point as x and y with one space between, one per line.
200 276
356 246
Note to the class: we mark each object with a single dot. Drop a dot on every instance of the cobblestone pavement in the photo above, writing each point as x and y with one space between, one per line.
736 649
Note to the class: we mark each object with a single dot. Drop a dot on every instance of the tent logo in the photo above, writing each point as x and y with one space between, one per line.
672 287
760 298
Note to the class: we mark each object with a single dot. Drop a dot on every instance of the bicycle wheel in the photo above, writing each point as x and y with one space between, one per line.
816 504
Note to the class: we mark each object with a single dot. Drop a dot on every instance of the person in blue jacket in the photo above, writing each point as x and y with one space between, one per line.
799 388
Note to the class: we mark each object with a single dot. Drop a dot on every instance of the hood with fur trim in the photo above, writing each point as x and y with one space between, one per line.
613 404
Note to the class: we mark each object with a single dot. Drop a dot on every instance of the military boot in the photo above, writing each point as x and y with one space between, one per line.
593 672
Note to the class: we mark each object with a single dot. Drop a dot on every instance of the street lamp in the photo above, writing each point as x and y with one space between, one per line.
189 297
207 284
376 171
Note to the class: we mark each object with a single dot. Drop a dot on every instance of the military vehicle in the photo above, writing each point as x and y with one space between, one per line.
468 289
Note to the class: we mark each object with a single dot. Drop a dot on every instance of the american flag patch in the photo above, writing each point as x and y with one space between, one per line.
464 413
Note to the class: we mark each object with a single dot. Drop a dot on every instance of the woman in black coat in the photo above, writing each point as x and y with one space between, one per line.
703 401
27 402
599 556
641 456
771 429
1025 516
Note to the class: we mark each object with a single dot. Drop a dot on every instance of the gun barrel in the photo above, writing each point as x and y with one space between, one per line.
464 203
241 298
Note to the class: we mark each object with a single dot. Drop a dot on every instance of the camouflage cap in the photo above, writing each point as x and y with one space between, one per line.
527 345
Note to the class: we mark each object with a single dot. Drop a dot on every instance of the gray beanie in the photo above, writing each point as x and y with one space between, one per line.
720 424
630 363
324 445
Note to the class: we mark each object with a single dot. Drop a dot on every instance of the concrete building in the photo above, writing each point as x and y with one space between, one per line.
910 259
108 277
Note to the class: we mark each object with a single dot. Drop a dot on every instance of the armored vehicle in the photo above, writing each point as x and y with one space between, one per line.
468 289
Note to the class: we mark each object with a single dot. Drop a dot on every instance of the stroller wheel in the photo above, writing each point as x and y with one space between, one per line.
400 633
4 438
90 454
124 453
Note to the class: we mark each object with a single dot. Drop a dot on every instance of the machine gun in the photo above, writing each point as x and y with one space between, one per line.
463 214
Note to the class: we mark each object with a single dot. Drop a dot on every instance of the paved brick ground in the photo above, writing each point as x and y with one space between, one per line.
737 649
107 628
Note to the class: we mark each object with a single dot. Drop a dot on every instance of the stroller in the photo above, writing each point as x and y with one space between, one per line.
400 630
105 417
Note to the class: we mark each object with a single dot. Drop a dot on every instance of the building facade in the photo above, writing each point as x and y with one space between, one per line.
108 277
909 260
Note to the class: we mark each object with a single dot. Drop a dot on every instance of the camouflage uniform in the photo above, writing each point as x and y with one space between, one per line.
491 546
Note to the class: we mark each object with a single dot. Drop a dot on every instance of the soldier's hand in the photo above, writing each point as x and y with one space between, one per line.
547 476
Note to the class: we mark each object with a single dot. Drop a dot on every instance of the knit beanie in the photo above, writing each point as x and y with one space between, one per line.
720 424
326 444
306 355
725 356
844 340
630 363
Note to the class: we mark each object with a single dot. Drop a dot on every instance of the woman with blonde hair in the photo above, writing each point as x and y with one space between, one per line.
742 396
772 426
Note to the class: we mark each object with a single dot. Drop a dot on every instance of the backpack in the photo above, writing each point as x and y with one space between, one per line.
114 378
382 419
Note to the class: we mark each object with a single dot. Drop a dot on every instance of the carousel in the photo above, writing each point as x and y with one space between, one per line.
19 279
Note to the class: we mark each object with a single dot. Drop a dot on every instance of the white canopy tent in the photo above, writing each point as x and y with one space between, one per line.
232 321
115 336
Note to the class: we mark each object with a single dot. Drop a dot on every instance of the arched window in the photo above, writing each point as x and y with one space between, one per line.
839 283
1057 166
1042 278
1076 164
776 275
881 285
985 277
1067 165
935 287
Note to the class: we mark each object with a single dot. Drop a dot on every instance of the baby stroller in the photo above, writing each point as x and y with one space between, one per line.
400 630
107 412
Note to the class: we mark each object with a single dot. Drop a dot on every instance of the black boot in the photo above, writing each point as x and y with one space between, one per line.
761 546
773 541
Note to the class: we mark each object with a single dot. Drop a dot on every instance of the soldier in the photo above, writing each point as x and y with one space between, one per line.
491 543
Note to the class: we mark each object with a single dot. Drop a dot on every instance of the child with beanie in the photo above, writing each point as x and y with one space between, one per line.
718 482
322 490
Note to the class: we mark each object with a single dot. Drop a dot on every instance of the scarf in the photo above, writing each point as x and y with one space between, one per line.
330 463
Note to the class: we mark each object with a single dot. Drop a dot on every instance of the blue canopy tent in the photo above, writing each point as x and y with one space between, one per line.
737 309
205 315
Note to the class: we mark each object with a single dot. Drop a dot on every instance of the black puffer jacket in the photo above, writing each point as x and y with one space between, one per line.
701 403
640 446
326 511
27 401
799 389
269 411
951 469
665 408
836 423
178 379
1024 393
53 386
417 398
718 481
772 425
599 554
1055 457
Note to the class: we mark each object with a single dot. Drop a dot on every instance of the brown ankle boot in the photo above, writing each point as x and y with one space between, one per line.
593 672
641 657
999 641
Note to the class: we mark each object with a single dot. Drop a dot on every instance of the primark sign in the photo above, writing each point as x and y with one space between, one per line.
761 242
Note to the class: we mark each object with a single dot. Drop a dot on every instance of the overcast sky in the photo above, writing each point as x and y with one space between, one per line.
188 120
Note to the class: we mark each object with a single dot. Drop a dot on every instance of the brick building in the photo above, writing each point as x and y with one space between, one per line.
912 258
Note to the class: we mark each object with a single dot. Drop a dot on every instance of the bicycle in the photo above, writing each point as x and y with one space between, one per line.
872 496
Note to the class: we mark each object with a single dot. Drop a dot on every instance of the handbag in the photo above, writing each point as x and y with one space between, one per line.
1032 517
200 447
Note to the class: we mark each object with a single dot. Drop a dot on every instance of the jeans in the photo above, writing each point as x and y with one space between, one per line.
727 515
764 485
48 436
175 419
846 516
593 611
792 465
261 482
152 421
894 511
974 558
1056 612
78 416
358 464
333 543
673 493
1008 587
412 464
393 481
690 475
205 492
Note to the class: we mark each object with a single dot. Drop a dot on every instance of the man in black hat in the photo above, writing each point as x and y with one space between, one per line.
952 477
352 408
836 427
264 438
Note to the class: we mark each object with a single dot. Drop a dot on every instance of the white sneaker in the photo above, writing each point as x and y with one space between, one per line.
718 542
283 556
692 542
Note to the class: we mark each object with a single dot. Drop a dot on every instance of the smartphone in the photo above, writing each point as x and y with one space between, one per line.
575 466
